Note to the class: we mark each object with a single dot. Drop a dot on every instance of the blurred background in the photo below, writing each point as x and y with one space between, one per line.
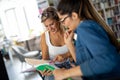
21 28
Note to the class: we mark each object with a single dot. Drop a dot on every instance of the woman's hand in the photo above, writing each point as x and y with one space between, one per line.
60 58
46 72
68 37
60 74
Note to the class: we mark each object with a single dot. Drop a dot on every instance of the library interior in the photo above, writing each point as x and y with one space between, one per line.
21 29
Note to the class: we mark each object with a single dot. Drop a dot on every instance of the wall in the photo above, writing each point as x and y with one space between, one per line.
24 18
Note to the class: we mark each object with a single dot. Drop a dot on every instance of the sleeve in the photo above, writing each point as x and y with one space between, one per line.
102 51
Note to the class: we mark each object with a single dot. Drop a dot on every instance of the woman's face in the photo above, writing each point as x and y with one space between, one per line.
68 21
51 25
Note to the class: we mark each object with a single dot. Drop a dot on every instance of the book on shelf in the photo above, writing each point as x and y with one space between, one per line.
118 19
106 5
111 13
116 1
109 21
116 10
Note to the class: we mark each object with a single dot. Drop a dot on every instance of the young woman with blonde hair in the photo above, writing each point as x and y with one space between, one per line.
52 41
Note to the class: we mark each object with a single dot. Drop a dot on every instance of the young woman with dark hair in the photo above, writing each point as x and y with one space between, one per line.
96 52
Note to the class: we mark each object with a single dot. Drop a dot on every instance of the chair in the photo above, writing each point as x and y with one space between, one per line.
23 53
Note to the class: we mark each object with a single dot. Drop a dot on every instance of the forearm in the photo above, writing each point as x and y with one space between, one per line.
72 51
73 72
60 74
45 57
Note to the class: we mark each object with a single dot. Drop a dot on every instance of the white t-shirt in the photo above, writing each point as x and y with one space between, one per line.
54 50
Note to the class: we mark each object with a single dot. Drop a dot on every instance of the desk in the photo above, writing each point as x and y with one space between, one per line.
35 61
26 40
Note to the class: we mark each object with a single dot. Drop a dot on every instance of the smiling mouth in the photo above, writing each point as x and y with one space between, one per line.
53 30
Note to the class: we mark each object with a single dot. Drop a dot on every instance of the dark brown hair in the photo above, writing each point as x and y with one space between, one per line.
86 10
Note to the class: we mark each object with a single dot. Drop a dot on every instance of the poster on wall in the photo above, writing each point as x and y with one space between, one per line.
42 4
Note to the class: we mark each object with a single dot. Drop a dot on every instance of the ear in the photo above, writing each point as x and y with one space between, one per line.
74 15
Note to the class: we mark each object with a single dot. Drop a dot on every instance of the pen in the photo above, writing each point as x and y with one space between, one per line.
51 61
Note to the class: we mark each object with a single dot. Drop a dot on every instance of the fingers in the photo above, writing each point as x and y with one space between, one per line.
68 33
46 72
49 73
72 65
58 58
40 71
72 34
55 59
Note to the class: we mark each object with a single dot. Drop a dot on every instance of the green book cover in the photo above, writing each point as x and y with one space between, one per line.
45 67
48 67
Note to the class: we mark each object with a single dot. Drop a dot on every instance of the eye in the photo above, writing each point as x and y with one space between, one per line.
46 26
51 24
63 19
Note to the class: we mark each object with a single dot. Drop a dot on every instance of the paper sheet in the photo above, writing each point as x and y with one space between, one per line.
35 62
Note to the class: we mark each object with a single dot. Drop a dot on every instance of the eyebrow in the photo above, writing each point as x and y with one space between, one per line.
50 24
60 18
46 25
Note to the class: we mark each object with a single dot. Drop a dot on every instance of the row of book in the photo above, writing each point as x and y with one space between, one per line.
97 6
106 4
116 29
113 12
110 2
110 11
102 14
113 20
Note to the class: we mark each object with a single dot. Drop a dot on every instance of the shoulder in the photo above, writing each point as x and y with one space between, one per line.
43 34
43 38
90 24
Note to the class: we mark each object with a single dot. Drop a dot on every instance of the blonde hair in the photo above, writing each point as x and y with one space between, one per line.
49 13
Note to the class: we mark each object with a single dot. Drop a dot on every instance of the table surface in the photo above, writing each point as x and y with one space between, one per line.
25 39
35 62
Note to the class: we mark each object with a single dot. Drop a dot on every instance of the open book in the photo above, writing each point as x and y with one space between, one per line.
39 65
42 65
47 66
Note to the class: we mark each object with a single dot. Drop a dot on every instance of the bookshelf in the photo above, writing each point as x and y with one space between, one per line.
110 11
42 4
